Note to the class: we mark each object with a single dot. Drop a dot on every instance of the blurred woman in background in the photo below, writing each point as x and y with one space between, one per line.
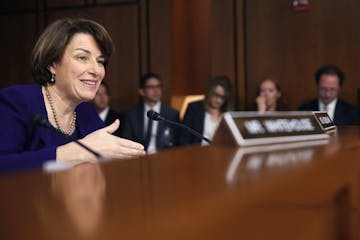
204 116
269 97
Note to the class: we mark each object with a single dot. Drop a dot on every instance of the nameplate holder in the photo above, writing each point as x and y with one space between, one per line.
325 121
253 128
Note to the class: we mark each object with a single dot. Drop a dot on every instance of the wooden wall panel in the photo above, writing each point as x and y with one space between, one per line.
64 3
179 46
291 46
17 5
117 1
159 52
222 39
190 48
218 29
143 27
227 49
340 38
123 71
191 59
240 51
18 36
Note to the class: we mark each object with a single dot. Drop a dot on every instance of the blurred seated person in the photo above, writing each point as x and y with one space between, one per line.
204 116
101 104
154 135
329 80
269 97
68 65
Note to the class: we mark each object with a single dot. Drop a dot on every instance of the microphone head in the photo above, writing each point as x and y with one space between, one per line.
39 120
154 115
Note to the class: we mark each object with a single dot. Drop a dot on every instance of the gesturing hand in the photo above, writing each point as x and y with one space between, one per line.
103 142
111 146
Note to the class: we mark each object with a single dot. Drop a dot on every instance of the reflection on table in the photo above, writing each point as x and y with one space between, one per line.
297 191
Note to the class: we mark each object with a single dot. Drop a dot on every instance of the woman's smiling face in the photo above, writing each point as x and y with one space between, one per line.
81 69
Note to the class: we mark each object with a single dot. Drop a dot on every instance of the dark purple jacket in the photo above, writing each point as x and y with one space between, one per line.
24 144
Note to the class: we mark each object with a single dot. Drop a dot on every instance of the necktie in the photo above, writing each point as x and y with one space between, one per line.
148 134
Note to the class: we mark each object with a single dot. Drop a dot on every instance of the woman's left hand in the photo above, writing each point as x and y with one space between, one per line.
111 146
103 142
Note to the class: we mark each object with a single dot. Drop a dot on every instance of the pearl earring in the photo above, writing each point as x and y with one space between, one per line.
52 80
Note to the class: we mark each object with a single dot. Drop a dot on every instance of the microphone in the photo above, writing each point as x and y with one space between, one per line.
158 117
40 121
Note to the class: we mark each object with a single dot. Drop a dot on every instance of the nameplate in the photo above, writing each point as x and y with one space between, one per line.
252 128
325 121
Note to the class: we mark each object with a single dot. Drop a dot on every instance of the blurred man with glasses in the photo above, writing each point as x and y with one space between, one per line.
154 135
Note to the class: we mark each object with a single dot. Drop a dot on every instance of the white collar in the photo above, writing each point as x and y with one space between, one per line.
104 113
155 108
330 105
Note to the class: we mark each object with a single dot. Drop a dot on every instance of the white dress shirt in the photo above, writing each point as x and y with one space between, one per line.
104 113
210 128
152 144
330 108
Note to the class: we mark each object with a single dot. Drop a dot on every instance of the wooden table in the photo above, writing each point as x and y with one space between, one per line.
296 191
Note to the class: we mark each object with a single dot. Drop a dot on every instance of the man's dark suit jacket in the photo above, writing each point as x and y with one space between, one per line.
345 114
111 117
166 136
194 118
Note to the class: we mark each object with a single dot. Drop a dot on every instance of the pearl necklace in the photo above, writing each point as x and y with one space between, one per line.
73 122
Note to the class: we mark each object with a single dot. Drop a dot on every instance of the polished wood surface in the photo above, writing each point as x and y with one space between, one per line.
292 191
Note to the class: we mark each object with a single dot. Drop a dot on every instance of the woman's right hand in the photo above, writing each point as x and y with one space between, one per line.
103 142
261 104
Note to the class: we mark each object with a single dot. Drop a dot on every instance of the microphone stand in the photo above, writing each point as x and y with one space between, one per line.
188 129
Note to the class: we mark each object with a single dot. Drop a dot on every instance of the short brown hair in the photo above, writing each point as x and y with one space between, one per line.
224 82
275 82
52 43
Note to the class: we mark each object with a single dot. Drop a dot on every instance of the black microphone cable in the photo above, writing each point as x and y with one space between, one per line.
39 120
157 117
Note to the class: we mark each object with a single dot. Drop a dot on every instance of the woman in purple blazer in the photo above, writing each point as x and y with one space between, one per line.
68 65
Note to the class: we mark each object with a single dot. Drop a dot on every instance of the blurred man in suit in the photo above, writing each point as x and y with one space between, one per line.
153 135
101 104
329 80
